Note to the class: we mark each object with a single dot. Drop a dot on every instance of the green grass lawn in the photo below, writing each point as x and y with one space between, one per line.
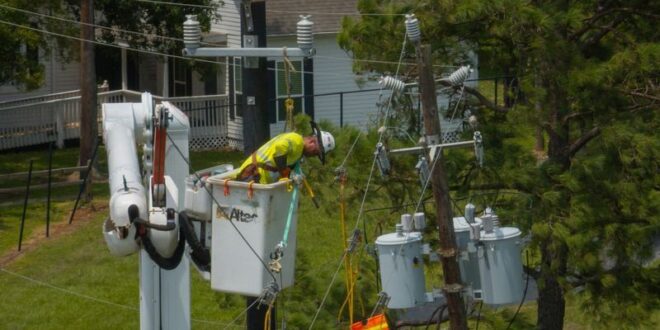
71 280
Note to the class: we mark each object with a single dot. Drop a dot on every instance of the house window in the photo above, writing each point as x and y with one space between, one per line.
238 87
181 78
296 83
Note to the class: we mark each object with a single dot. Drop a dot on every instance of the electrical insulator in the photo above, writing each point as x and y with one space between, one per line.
490 220
191 32
459 76
469 212
420 221
478 148
412 28
423 171
304 32
407 222
382 160
389 82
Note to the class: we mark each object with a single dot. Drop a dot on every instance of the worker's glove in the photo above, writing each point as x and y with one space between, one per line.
297 178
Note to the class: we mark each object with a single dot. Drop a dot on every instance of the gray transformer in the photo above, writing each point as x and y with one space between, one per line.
402 268
500 266
467 257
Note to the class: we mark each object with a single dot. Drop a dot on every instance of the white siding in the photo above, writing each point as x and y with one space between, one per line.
230 22
59 77
333 74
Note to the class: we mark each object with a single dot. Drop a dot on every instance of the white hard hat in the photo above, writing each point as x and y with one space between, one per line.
328 141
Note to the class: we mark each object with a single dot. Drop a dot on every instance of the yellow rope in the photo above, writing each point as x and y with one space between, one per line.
267 319
288 103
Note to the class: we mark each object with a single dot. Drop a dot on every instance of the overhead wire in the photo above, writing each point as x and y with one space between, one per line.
108 44
238 231
360 212
91 298
176 4
329 13
156 36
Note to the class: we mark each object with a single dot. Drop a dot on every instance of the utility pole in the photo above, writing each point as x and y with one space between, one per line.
444 219
88 108
256 129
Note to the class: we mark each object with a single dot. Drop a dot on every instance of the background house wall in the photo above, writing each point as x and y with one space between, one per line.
59 77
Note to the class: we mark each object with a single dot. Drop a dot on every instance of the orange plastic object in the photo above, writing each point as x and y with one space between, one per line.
226 187
250 192
377 322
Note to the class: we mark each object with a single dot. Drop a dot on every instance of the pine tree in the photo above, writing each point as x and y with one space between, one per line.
586 74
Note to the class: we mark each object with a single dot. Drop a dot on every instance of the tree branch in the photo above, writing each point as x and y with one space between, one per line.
548 128
574 115
590 22
642 95
582 141
482 99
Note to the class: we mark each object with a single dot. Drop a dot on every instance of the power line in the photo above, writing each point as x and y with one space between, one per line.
109 44
176 4
382 61
366 190
150 35
238 231
329 13
83 296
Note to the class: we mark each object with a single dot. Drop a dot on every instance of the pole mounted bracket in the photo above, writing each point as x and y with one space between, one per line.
247 10
447 253
453 288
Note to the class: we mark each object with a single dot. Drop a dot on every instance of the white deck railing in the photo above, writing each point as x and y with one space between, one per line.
32 121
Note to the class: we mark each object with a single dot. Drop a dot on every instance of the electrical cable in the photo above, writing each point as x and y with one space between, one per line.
524 292
176 4
231 323
103 27
357 222
83 296
443 307
327 291
481 304
152 35
329 13
110 45
238 231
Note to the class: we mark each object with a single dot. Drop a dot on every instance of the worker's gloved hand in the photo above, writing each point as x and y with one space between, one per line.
297 178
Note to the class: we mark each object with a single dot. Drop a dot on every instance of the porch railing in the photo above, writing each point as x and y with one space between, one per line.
58 119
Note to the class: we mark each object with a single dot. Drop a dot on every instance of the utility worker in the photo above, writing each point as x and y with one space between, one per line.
276 158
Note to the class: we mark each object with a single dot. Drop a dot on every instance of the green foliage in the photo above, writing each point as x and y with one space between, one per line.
22 45
588 77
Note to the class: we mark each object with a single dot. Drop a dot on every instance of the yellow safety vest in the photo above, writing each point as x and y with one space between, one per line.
289 144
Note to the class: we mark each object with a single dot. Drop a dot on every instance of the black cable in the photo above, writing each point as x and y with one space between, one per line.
164 263
428 323
200 255
524 292
481 304
238 231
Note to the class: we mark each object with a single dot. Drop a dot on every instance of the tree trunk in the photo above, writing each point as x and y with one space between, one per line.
554 252
551 302
88 106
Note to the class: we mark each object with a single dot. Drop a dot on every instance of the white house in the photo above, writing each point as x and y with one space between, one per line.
323 87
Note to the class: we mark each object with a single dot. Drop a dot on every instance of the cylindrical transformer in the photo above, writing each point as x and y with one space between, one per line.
467 261
500 266
191 32
402 269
